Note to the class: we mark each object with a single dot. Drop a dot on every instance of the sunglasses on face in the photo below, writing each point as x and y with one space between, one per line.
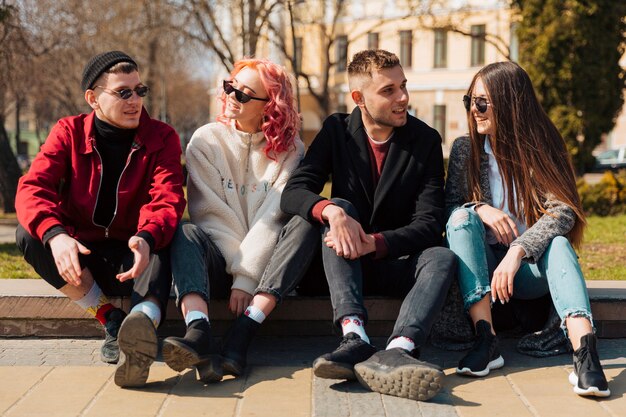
239 95
481 103
127 93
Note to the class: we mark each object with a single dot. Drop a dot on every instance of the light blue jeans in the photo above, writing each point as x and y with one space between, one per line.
557 271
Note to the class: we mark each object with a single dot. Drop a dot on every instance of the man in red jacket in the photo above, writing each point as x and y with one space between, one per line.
98 209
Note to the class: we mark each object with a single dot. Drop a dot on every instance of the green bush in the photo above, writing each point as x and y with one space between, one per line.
606 198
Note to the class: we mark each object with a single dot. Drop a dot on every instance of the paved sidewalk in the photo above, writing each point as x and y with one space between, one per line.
63 377
7 233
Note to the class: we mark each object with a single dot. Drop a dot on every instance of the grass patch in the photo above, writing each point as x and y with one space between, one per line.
12 265
602 256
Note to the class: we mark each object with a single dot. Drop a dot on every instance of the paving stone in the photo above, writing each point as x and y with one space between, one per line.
65 391
190 397
401 407
17 382
548 391
327 401
489 396
276 392
616 375
280 382
112 400
364 403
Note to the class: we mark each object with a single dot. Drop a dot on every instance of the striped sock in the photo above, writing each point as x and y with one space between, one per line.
96 303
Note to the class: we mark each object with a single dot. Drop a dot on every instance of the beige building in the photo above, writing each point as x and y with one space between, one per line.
438 64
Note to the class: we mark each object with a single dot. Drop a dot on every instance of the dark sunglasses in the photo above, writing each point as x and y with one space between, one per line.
481 103
239 95
127 93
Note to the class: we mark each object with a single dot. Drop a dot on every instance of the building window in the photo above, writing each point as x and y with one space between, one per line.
341 52
439 120
406 48
372 40
298 55
478 45
441 48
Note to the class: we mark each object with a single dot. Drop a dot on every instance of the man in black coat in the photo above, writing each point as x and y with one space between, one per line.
381 231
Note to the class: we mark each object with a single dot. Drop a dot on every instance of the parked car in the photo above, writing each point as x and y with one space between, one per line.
613 159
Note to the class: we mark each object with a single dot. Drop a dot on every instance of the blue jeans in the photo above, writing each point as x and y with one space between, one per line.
556 272
198 265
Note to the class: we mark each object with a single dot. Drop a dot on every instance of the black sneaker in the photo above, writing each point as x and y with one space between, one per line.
484 355
138 343
396 372
588 378
236 343
197 349
339 364
110 351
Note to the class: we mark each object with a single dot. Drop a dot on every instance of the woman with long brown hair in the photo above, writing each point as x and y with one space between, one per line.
516 218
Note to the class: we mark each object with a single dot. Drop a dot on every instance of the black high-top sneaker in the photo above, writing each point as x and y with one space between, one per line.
236 344
197 349
588 378
396 372
339 364
110 350
484 355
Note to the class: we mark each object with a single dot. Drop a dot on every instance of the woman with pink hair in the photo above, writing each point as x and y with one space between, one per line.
237 168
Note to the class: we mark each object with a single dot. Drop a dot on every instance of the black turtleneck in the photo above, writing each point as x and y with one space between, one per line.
113 146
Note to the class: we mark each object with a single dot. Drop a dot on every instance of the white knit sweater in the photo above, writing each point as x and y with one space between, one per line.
233 191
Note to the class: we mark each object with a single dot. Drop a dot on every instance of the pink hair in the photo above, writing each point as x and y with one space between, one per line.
281 121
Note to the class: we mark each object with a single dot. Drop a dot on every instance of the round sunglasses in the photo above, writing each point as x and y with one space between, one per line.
481 103
239 95
127 93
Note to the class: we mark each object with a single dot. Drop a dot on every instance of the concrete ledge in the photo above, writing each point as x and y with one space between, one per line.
33 308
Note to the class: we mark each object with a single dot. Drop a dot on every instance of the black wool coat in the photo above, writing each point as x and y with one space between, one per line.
407 206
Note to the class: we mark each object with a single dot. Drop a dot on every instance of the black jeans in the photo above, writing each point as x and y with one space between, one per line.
107 259
423 279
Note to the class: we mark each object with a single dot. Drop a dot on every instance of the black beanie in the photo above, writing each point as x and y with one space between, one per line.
99 64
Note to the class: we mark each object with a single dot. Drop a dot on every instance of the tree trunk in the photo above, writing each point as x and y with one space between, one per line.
18 132
9 171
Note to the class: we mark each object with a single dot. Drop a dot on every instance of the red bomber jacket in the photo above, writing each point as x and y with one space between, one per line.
61 188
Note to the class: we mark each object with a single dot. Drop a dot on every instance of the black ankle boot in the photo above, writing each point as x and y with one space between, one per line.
197 349
588 378
236 345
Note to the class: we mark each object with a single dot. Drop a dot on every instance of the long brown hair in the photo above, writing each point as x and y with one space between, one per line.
530 152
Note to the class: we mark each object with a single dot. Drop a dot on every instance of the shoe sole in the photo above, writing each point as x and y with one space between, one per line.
323 368
414 382
232 367
110 360
178 356
589 392
210 369
138 343
494 364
